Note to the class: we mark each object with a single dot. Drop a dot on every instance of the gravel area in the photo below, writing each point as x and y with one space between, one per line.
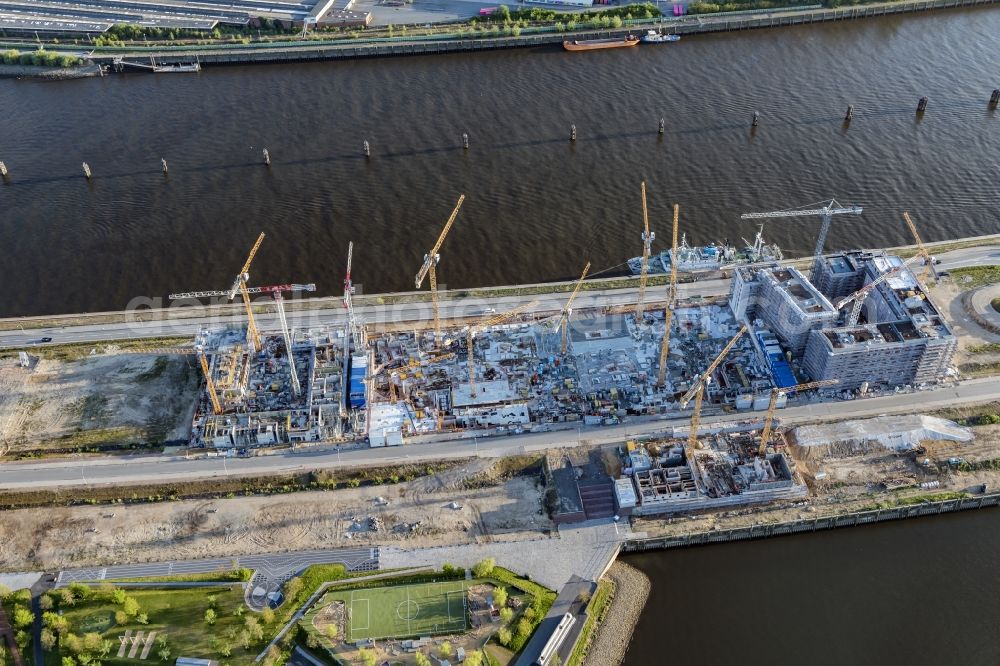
615 633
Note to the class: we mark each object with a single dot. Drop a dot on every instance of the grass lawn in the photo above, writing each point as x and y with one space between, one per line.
404 610
975 276
177 613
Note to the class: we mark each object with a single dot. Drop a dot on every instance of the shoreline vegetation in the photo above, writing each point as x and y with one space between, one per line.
505 24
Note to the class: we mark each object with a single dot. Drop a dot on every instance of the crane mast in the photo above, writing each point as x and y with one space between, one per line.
765 436
668 311
858 297
429 267
240 284
929 273
825 213
647 242
697 391
349 329
209 384
479 328
568 309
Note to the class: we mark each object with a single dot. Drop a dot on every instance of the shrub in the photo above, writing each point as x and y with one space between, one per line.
484 567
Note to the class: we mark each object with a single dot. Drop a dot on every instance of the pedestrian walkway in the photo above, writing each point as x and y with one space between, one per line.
584 550
7 632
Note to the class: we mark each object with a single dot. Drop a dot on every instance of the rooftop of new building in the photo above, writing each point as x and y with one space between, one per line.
798 289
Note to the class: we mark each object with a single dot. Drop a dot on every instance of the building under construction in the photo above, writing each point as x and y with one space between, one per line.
891 335
271 396
668 477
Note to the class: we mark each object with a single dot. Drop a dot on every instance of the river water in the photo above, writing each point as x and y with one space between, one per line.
921 591
537 207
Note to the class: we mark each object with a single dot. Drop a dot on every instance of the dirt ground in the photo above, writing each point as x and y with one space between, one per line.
418 513
101 401
856 479
948 295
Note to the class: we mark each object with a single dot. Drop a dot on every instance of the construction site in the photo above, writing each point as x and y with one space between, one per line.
861 323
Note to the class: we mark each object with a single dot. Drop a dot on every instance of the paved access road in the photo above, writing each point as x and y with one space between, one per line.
278 566
372 314
160 469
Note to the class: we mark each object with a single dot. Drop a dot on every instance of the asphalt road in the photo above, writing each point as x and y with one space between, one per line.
159 469
280 565
375 314
466 307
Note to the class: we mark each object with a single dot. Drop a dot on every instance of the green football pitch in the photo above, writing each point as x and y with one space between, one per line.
405 610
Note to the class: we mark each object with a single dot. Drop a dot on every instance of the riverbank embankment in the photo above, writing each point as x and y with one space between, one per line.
49 73
614 634
269 52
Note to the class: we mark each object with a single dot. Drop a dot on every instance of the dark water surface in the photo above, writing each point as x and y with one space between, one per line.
537 207
922 591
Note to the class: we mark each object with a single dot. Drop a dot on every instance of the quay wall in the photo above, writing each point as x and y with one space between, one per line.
811 524
360 48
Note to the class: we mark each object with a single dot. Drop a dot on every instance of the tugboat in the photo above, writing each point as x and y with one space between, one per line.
594 44
656 37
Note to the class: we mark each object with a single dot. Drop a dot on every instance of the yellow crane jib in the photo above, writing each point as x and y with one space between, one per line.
765 436
668 311
431 258
568 309
711 368
921 249
647 242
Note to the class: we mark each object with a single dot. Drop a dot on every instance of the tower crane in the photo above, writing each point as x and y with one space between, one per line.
697 390
209 384
240 284
826 213
668 312
929 272
765 436
858 297
350 329
429 267
568 309
647 242
275 291
475 330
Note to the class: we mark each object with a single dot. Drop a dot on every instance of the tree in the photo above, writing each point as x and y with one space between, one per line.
66 596
474 658
4 593
422 659
3 653
503 635
224 648
523 628
446 649
506 615
131 607
92 642
118 596
23 639
484 568
293 587
331 631
80 591
121 618
142 618
253 627
368 658
210 617
68 661
272 656
267 616
164 654
45 601
311 641
23 617
107 645
239 611
500 597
